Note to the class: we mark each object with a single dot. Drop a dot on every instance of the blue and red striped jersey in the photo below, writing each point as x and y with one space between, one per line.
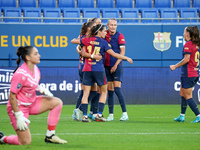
94 45
115 42
81 59
191 69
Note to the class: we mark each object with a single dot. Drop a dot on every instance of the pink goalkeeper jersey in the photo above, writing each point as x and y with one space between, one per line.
24 84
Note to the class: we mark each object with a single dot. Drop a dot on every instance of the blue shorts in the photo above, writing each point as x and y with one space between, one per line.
91 77
80 71
188 82
80 75
116 76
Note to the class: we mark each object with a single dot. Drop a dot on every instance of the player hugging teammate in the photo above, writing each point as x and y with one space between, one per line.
113 67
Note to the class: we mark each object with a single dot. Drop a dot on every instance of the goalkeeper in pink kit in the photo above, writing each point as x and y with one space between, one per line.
23 100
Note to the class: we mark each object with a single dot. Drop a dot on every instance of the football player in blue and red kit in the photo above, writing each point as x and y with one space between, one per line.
189 72
94 69
95 91
94 97
114 69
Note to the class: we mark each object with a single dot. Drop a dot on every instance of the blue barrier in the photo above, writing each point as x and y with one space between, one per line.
140 85
148 45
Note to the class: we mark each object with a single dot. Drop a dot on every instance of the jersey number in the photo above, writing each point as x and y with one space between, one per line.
96 51
197 58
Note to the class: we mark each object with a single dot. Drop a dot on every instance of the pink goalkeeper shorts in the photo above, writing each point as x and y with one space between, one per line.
32 109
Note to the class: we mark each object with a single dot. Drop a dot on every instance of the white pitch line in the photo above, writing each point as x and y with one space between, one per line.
131 133
69 116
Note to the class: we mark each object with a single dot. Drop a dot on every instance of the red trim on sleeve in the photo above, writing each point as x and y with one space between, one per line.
121 39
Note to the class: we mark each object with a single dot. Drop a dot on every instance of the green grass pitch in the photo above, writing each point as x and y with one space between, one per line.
149 127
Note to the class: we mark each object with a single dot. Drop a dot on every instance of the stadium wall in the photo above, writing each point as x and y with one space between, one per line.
148 81
157 45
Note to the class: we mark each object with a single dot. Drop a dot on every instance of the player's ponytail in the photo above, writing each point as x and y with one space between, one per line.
194 34
83 29
21 53
19 50
199 42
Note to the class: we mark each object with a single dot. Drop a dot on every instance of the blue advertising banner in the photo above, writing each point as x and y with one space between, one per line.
148 45
140 85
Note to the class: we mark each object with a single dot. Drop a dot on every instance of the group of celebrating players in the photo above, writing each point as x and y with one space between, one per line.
100 70
101 53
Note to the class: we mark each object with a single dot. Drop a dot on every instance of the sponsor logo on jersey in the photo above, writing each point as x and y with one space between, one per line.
19 86
162 41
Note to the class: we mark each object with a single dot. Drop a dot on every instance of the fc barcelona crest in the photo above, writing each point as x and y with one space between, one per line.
162 41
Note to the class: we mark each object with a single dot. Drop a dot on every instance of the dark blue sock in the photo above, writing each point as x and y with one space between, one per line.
193 106
101 108
78 102
94 103
91 96
121 98
84 109
183 105
111 101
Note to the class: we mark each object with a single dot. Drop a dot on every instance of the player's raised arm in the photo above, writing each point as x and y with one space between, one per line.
76 41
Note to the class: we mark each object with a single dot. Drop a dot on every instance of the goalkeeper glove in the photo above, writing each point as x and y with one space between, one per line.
44 91
21 121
